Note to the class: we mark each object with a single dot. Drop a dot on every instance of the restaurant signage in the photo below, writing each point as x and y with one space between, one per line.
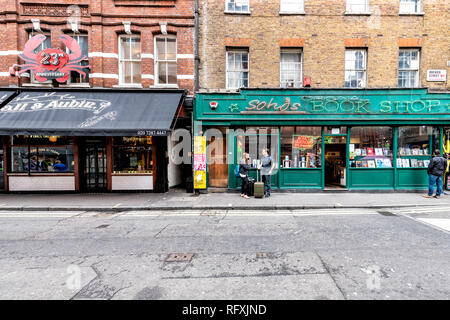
52 63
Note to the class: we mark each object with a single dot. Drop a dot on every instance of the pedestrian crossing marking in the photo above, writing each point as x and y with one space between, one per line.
440 223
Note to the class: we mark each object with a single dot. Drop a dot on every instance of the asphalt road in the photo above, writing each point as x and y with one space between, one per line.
315 254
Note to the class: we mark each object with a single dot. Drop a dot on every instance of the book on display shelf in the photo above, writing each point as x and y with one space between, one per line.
399 163
379 163
371 164
387 163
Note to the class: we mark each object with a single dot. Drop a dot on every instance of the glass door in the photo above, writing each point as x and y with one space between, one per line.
335 160
93 164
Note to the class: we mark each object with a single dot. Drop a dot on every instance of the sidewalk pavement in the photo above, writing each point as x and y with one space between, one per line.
180 200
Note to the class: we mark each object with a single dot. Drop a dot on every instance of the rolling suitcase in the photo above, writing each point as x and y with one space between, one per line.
250 187
258 187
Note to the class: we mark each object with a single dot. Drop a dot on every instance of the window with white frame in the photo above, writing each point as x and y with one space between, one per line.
357 6
75 77
408 68
237 69
355 68
291 68
129 60
166 60
237 5
410 6
292 6
47 43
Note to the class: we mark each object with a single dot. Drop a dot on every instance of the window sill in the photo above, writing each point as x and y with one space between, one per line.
75 85
347 13
136 86
42 85
292 13
164 86
233 12
411 13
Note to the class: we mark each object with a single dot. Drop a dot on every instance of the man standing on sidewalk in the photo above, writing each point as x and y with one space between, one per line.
267 166
435 171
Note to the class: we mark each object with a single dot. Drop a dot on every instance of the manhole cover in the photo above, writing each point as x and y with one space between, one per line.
260 255
179 257
386 213
102 226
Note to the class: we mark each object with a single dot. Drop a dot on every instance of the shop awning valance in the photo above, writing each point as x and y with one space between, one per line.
90 113
4 95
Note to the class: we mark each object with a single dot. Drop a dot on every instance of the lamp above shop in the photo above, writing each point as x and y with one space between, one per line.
53 139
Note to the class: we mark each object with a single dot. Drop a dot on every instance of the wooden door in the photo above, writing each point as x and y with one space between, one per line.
217 162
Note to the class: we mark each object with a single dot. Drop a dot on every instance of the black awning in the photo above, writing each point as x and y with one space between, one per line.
4 95
90 113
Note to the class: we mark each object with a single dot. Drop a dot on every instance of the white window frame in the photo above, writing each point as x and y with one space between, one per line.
300 52
416 69
156 61
33 80
365 52
121 73
362 3
242 2
403 9
239 50
85 83
285 4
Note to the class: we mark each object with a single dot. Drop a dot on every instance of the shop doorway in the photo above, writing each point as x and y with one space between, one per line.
217 160
335 162
93 176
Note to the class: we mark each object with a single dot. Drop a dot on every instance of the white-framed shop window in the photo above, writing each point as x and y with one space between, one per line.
355 68
47 43
237 6
291 68
166 60
129 59
237 69
357 6
411 6
75 77
408 68
292 6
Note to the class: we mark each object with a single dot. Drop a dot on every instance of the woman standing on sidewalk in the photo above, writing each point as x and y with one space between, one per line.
244 167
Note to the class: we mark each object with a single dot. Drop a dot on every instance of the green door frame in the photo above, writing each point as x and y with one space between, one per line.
347 148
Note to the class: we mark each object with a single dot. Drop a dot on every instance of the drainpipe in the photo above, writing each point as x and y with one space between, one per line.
196 48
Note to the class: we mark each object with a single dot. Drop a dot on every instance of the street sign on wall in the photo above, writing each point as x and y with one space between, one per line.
436 75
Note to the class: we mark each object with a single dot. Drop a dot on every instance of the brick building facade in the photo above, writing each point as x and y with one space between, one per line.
322 31
103 22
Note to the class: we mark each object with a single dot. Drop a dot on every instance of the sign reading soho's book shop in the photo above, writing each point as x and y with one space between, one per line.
324 137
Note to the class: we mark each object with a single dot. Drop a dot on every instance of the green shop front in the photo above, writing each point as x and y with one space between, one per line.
324 139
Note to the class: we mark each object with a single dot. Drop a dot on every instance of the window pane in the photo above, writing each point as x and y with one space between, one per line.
161 48
410 6
357 6
172 73
51 159
135 48
19 159
133 159
125 47
253 140
162 72
136 72
171 49
301 147
126 72
372 147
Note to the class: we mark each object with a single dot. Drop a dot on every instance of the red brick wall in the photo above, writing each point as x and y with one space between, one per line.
102 21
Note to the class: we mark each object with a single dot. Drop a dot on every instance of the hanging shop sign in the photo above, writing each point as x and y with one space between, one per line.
52 63
199 162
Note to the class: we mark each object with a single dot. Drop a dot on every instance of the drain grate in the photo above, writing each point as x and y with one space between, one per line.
179 257
261 255
387 213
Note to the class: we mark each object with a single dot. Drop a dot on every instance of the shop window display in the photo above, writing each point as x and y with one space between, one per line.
132 155
301 147
253 140
41 154
415 145
371 147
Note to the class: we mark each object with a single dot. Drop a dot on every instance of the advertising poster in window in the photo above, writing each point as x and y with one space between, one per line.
304 142
199 162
